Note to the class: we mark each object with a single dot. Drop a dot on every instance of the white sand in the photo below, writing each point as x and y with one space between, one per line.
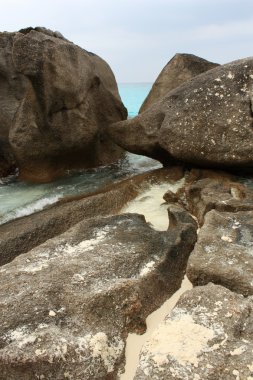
151 205
135 342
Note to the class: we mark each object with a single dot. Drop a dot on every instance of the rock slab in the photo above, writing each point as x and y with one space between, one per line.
207 336
223 252
221 194
79 294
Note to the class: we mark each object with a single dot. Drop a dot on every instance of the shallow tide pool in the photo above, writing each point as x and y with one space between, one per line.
19 198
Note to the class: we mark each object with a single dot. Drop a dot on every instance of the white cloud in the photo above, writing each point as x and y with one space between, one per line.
234 29
138 37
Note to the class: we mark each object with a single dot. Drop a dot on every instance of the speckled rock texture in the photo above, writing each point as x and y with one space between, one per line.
23 234
56 100
207 336
178 70
207 121
70 303
223 252
207 194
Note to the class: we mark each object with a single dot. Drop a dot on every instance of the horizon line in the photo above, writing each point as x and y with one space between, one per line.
132 82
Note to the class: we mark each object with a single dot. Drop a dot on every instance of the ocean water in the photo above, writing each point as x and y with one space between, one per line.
18 198
133 95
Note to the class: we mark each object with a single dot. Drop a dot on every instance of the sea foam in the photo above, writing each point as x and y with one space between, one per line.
38 205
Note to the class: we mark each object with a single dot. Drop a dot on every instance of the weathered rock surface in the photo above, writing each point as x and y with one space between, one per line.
205 195
178 70
23 234
55 101
196 174
208 194
208 336
207 121
78 295
7 160
223 252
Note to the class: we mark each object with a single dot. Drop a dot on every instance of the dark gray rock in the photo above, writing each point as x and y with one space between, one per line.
206 121
55 101
178 70
207 336
207 194
71 301
7 160
223 252
196 174
12 89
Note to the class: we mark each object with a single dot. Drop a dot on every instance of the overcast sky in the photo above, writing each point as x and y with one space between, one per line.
138 37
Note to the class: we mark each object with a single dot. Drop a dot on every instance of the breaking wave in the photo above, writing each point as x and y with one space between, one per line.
19 199
30 208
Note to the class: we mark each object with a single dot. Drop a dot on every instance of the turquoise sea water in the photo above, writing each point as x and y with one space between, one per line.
18 198
133 95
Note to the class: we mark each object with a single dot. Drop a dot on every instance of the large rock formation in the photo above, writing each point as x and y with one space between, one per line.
178 70
12 86
223 253
71 301
207 121
56 100
208 336
7 160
